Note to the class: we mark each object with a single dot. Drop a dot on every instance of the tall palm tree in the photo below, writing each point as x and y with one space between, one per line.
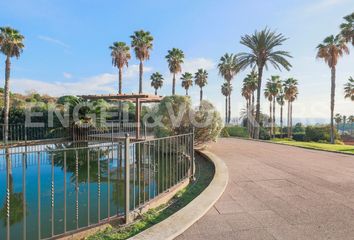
201 79
351 121
142 44
226 90
347 28
156 81
263 46
187 81
269 96
349 89
338 120
11 46
281 102
175 59
332 48
247 94
250 84
344 122
274 85
228 68
291 91
120 53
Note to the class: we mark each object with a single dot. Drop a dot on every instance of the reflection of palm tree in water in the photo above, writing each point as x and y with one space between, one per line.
16 198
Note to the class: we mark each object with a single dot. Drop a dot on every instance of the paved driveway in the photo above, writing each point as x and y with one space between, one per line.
280 192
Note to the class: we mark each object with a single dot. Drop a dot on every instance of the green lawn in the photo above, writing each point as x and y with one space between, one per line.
319 146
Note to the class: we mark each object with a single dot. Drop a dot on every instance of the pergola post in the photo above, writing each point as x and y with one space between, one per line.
137 118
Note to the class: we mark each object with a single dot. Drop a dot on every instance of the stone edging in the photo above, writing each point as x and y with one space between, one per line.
180 221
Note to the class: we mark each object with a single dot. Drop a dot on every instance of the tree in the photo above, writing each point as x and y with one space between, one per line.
142 44
247 94
187 81
226 90
291 92
262 45
268 95
201 80
344 122
11 46
347 28
228 68
332 48
120 53
351 121
156 81
349 89
274 86
250 84
338 120
175 59
281 102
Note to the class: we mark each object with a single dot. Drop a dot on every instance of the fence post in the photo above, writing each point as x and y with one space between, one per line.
192 157
127 178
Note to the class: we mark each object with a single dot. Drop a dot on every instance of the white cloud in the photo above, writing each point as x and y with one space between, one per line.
323 4
53 40
67 75
192 65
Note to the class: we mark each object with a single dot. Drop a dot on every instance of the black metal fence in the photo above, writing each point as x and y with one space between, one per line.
61 190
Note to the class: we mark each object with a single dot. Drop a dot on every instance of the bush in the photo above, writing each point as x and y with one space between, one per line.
264 134
205 119
319 134
237 131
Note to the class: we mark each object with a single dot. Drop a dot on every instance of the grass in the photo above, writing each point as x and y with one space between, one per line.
204 175
318 146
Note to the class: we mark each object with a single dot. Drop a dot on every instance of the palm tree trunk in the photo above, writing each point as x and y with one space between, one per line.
226 116
120 80
273 117
270 119
258 106
229 119
201 95
186 91
288 119
141 69
174 84
333 88
291 119
252 114
155 91
281 121
7 99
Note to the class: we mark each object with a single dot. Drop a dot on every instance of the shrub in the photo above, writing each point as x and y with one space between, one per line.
224 132
319 134
237 131
264 134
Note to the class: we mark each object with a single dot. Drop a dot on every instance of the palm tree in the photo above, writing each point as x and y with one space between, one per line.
228 68
332 48
156 81
347 28
226 90
250 84
262 45
291 92
275 85
120 53
187 81
349 89
175 59
11 46
281 102
338 120
247 94
142 44
269 96
201 79
351 121
344 122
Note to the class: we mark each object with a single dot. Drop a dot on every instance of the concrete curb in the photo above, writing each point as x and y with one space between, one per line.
180 221
284 144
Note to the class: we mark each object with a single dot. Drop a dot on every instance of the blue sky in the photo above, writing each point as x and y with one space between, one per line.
67 44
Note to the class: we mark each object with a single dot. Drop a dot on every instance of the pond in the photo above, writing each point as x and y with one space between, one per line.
85 182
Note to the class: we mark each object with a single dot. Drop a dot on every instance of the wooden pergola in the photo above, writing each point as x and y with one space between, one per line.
138 99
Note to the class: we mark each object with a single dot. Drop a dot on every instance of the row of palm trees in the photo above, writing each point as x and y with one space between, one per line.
200 79
343 119
142 43
331 50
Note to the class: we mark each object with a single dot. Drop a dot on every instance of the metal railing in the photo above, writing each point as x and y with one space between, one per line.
58 191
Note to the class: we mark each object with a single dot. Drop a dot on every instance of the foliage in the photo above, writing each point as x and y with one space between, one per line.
236 131
349 89
319 133
156 81
347 28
